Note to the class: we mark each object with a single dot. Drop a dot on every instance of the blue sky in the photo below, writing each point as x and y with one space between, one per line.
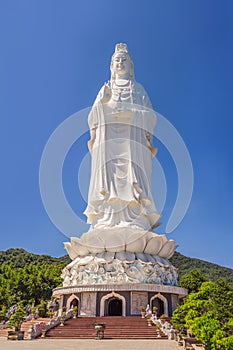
54 58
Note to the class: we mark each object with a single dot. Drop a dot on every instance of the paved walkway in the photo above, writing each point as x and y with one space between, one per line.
82 344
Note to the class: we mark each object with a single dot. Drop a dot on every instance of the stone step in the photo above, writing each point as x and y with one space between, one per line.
117 327
26 325
4 332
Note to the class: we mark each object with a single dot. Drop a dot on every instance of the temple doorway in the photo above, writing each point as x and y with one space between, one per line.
73 303
160 306
113 304
115 307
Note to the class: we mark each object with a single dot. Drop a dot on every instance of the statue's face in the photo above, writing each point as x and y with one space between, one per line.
121 64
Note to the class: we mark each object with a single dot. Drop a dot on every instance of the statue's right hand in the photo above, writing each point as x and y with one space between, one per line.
107 94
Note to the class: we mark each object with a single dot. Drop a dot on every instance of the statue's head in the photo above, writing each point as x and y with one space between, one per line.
121 62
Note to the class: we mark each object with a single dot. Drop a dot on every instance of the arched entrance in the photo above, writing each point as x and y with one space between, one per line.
113 304
114 307
160 307
161 303
72 301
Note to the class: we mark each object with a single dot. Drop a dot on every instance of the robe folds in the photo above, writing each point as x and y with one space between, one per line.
120 186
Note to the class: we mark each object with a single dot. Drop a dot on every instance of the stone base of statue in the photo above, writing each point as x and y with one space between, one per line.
119 299
115 272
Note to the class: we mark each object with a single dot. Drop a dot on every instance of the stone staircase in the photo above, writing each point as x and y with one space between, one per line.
117 327
24 327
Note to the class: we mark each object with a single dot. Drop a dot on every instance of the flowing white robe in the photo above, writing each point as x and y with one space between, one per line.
120 186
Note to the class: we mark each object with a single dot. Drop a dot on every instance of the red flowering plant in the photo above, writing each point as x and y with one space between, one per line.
41 326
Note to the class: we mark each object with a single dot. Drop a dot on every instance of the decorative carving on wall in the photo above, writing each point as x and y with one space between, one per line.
138 299
94 269
88 305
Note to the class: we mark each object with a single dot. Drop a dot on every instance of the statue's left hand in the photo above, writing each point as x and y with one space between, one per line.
90 145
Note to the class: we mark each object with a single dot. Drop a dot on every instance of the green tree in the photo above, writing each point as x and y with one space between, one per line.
16 319
225 343
42 308
192 281
34 281
208 314
204 327
3 314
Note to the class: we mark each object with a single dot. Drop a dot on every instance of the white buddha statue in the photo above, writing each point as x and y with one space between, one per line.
121 127
121 209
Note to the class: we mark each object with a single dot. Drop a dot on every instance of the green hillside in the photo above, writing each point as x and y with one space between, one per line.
19 258
29 277
212 271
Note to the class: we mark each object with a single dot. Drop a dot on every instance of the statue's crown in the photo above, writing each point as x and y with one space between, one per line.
121 48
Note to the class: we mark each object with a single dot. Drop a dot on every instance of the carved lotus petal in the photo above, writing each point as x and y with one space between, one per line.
79 247
150 258
118 240
150 235
94 243
105 256
142 257
114 243
161 261
125 256
172 252
130 256
154 245
72 253
167 249
135 243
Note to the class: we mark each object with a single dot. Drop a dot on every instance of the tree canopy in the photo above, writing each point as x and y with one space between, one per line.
192 280
28 277
208 314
